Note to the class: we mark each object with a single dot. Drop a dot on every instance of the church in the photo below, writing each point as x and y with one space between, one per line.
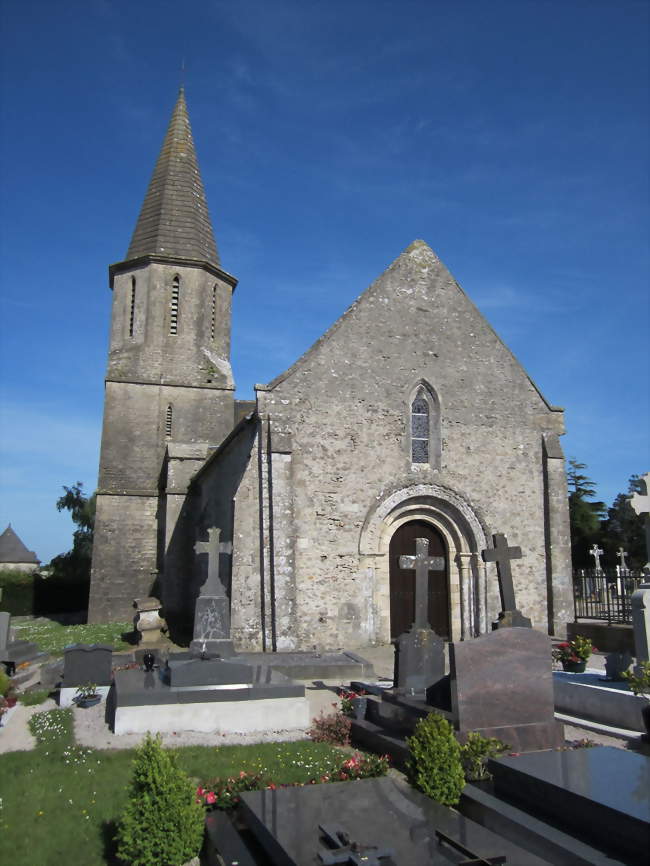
409 418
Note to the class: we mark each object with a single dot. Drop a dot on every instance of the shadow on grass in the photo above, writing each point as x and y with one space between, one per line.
109 829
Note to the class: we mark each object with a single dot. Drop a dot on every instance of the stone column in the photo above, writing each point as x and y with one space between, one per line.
559 587
464 562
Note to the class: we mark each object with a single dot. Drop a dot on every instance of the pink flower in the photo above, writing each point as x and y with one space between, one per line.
210 798
200 791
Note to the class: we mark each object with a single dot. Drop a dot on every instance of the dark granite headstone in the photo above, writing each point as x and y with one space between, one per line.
188 671
602 793
419 661
377 814
501 554
617 663
502 686
87 663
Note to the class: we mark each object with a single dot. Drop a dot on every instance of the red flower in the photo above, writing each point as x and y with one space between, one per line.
210 798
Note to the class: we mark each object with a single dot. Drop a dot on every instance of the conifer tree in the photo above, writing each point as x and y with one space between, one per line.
162 824
585 516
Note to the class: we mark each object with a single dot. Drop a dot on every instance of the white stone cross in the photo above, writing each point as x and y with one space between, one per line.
596 552
621 554
213 585
641 505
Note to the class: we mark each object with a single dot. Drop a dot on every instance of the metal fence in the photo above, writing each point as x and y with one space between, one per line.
605 595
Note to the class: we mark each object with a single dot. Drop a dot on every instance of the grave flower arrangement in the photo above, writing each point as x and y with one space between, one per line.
350 700
574 652
87 695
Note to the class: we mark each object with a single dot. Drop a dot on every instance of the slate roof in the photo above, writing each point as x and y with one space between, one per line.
13 550
174 220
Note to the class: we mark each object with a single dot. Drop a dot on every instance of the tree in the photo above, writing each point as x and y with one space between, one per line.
75 564
624 528
585 517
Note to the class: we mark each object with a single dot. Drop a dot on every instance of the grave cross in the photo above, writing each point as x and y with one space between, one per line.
641 505
213 585
345 851
621 554
422 563
502 554
596 552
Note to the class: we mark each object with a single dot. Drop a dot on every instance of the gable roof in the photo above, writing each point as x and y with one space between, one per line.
419 256
174 219
13 550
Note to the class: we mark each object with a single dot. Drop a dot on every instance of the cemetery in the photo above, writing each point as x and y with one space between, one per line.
527 797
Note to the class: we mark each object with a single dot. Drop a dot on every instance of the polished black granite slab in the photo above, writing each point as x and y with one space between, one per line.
602 793
384 812
135 688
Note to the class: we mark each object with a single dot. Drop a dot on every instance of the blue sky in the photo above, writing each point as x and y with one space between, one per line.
511 135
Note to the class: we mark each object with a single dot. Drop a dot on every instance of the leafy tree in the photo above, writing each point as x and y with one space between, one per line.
585 516
624 528
75 564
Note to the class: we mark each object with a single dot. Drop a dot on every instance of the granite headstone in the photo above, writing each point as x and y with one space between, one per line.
212 608
87 663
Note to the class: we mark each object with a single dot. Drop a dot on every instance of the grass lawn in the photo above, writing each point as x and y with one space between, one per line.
59 802
53 637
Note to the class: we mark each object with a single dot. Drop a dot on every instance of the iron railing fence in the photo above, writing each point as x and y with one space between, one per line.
605 595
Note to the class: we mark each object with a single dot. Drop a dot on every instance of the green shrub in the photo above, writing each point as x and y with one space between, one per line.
475 752
162 823
434 764
5 683
17 591
333 729
34 697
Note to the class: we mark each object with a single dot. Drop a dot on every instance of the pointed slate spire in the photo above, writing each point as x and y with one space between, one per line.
12 548
174 220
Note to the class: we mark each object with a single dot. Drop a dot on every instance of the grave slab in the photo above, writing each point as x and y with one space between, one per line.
602 792
377 813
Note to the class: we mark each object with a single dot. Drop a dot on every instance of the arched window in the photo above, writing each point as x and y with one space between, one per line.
132 310
173 306
425 441
213 314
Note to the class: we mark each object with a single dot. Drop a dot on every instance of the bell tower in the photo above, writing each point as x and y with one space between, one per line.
169 381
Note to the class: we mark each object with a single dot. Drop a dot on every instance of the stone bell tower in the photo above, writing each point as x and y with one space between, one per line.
169 383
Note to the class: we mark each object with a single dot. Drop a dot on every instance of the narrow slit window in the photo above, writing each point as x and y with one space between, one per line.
168 422
213 313
132 310
173 306
420 428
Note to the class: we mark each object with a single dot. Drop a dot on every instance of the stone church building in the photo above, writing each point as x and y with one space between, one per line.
408 418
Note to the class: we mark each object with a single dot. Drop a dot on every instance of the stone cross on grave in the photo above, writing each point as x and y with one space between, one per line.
501 554
213 585
596 552
422 563
621 554
641 505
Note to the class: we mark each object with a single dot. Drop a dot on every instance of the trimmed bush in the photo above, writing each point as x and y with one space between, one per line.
162 824
475 752
434 764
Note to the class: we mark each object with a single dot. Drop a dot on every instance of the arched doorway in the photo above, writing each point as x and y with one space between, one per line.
402 581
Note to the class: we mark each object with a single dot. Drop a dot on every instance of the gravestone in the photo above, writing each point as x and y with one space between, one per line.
419 652
361 823
621 554
502 686
212 608
501 554
641 504
83 664
5 623
596 552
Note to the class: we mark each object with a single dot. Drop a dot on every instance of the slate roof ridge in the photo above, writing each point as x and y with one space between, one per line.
174 219
12 548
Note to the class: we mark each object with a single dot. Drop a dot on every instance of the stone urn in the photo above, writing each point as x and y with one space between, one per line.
147 621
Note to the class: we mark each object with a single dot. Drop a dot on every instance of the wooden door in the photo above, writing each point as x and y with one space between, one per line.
402 581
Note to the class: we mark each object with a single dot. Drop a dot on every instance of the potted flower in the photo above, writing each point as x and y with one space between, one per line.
353 703
639 682
87 695
573 654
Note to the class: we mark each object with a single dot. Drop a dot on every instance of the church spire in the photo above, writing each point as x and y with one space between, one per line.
174 220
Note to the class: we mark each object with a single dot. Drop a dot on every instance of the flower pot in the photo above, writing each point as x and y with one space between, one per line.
90 701
359 707
574 667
